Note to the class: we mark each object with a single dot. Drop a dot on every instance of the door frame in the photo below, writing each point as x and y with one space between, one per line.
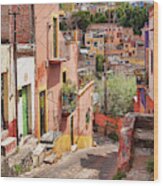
72 130
41 132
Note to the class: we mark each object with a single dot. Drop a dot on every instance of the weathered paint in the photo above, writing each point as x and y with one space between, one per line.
63 143
25 111
26 80
7 66
47 77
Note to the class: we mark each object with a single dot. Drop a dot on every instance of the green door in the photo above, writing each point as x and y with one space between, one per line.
25 110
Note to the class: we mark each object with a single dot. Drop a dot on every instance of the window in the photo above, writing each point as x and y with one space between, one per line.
55 37
88 116
95 44
64 78
152 61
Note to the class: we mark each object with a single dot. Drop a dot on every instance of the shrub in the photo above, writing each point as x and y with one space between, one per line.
18 169
150 166
113 136
119 175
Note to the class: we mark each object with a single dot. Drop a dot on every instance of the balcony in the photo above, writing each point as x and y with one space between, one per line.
57 61
69 98
84 78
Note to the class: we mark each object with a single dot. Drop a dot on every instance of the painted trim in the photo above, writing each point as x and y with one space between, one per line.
41 89
56 16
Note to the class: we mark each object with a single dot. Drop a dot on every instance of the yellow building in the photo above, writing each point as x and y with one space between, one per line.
67 7
95 43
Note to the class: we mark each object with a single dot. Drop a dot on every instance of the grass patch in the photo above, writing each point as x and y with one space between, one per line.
150 166
18 169
119 175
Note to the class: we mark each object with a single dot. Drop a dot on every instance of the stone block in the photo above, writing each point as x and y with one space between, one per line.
8 146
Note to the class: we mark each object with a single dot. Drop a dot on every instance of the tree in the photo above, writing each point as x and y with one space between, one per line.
99 63
100 18
129 16
121 90
82 19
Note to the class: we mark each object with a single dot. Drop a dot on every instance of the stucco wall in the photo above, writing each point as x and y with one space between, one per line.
46 77
85 103
7 65
26 74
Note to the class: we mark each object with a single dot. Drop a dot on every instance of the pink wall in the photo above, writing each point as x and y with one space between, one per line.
46 78
83 104
69 50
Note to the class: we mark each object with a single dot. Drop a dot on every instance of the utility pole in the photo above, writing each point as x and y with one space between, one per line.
14 14
105 78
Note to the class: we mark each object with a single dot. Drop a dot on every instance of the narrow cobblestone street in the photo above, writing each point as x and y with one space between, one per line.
92 163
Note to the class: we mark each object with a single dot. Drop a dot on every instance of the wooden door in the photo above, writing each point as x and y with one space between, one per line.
72 129
42 113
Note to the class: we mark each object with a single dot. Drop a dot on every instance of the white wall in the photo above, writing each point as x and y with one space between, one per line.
25 69
7 65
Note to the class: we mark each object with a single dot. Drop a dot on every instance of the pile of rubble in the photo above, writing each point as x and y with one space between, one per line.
30 154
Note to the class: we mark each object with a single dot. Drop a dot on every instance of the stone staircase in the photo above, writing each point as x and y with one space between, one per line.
142 148
44 150
8 144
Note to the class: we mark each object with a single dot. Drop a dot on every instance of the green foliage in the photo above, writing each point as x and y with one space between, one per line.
150 166
121 92
113 136
119 175
129 16
99 63
100 18
81 19
18 169
69 91
69 88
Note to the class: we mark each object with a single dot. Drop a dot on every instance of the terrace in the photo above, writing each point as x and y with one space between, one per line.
69 97
84 77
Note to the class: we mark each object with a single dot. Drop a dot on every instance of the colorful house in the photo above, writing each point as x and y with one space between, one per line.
58 100
14 127
145 93
94 41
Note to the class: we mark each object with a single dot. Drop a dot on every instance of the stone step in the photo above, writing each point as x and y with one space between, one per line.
144 134
52 158
4 135
38 155
50 137
8 146
142 143
143 151
145 122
